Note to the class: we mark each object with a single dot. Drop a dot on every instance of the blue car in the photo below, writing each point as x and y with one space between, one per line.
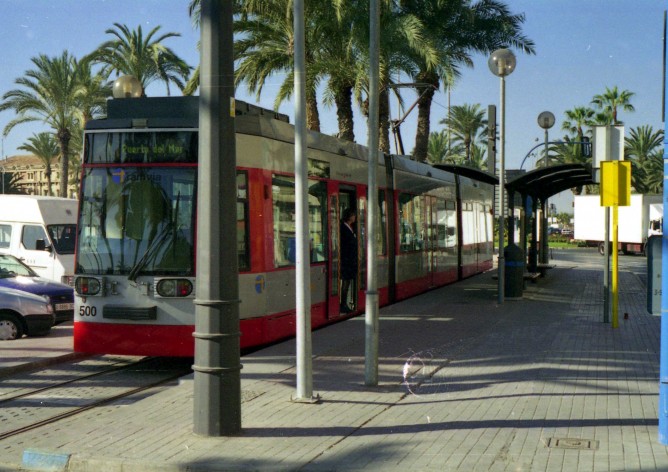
18 276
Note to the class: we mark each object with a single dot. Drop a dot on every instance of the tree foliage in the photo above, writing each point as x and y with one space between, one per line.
144 57
45 147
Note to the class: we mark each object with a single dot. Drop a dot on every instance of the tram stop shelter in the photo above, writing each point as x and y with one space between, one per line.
537 186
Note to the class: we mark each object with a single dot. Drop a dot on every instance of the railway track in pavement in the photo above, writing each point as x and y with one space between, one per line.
40 398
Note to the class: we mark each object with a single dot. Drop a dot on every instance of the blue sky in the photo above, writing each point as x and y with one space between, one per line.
583 46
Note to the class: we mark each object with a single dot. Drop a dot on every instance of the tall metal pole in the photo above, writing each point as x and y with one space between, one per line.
217 386
546 121
303 276
502 187
371 315
544 259
502 63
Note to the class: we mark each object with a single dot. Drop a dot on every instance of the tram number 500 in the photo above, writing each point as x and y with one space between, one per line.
86 310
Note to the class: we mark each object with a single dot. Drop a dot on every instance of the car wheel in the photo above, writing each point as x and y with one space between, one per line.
10 327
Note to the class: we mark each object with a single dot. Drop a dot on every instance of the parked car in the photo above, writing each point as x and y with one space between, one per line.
24 313
18 276
552 230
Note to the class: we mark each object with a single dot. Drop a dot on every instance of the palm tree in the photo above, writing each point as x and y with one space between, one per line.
145 58
442 149
568 152
265 47
49 94
10 182
642 142
653 170
94 90
611 101
478 158
576 119
403 41
344 61
45 147
458 28
642 145
465 122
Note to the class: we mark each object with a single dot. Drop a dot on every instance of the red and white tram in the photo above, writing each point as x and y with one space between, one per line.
135 255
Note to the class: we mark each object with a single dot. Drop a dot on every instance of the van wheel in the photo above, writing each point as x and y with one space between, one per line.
10 327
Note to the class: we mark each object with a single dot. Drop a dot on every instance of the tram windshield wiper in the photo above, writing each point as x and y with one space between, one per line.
150 251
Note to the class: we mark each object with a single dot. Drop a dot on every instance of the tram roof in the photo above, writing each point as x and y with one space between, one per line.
469 172
548 181
166 112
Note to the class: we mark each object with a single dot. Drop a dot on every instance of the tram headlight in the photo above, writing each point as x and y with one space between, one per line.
87 286
173 288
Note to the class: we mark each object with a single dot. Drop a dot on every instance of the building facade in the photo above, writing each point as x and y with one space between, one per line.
30 174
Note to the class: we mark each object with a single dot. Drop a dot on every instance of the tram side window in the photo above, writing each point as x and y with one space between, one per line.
317 218
468 224
381 224
451 226
410 223
446 226
242 221
284 216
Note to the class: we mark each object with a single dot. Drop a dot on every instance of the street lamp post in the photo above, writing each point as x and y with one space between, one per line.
545 121
502 62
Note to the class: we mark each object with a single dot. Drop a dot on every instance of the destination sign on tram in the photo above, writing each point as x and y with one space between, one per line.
141 147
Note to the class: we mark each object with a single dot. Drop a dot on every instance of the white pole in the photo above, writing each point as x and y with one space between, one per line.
302 275
502 189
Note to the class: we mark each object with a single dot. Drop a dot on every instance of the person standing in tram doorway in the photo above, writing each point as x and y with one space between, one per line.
348 256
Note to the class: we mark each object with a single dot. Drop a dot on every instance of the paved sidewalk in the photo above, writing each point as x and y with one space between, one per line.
30 353
465 385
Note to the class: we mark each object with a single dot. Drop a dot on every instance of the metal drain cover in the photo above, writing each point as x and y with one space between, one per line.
572 443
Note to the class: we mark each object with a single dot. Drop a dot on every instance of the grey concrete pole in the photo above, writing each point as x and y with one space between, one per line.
302 275
217 386
371 315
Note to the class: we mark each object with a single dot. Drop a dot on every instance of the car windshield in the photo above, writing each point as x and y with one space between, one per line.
10 266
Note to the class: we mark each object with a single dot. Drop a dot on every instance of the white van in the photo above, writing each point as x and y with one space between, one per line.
41 231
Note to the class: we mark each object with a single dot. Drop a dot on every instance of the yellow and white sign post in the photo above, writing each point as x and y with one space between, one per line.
615 192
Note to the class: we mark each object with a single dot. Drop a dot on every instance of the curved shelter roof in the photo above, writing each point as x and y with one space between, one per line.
548 181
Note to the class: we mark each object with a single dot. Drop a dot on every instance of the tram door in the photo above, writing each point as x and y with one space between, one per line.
436 219
340 199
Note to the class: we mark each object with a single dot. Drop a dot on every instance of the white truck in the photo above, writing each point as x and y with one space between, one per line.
638 221
41 231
